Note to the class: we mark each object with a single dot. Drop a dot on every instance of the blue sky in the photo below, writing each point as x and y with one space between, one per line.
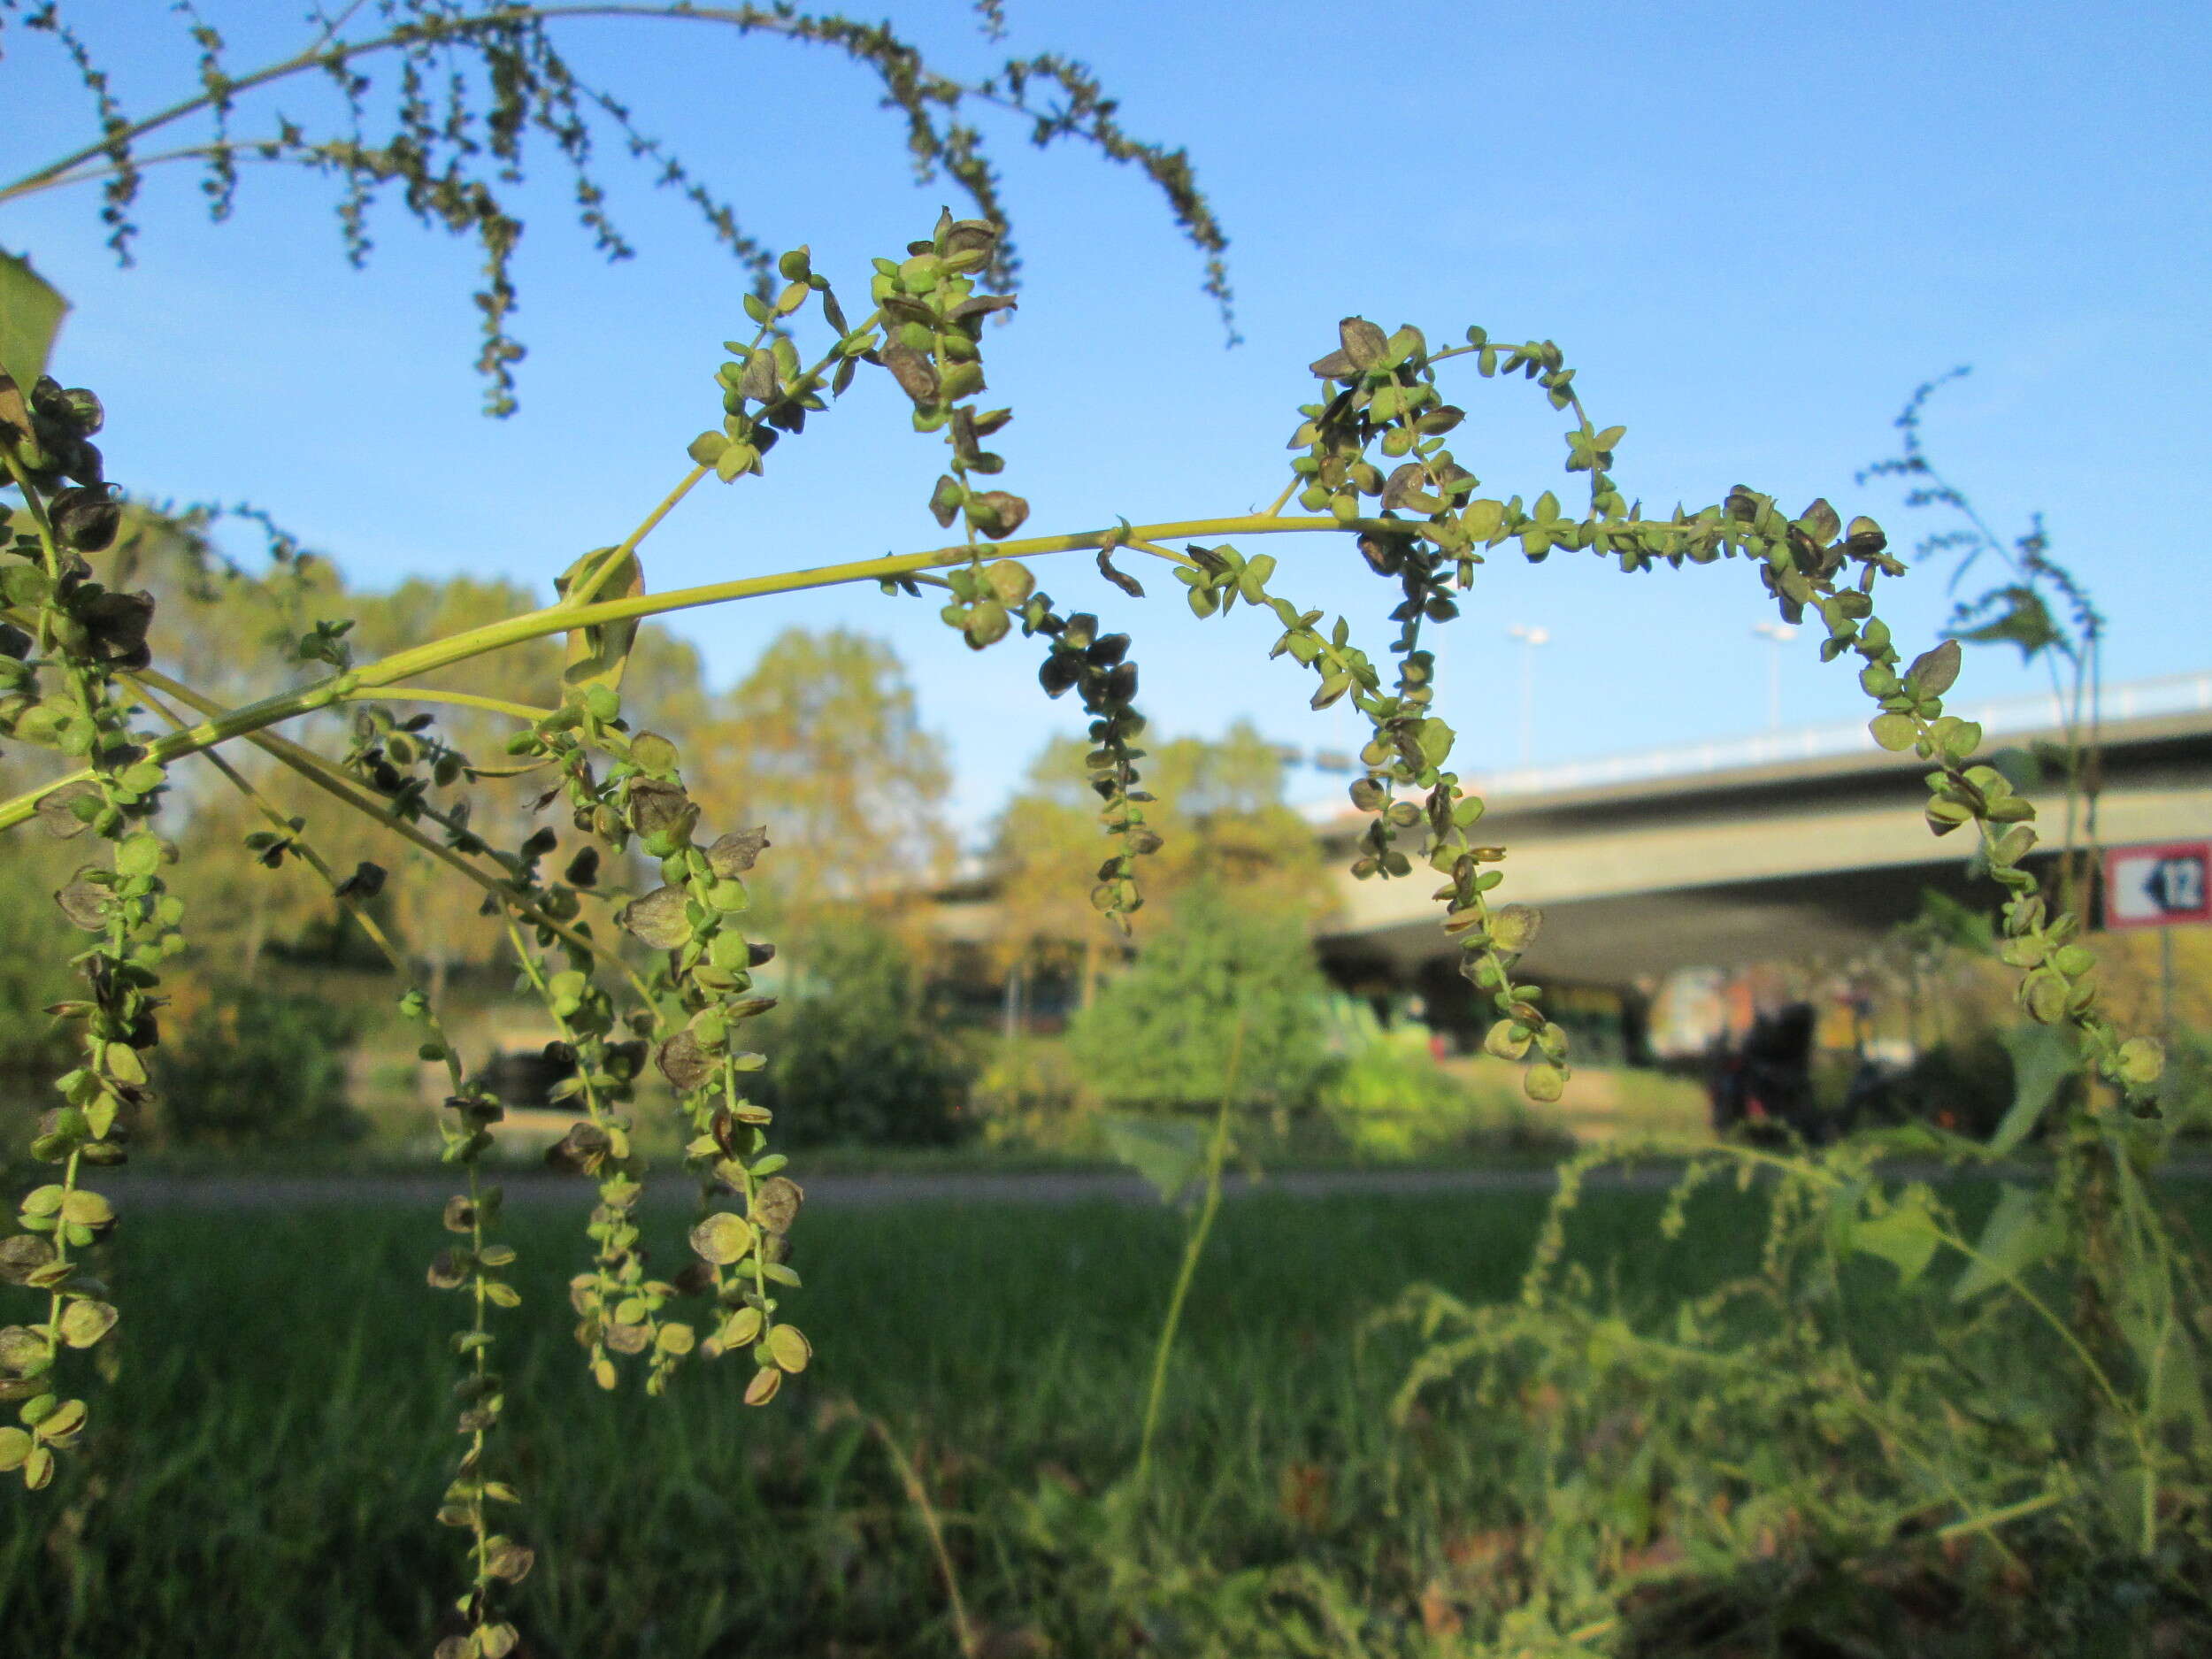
1753 228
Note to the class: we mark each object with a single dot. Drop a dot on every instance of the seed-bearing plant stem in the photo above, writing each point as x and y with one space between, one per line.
1193 1248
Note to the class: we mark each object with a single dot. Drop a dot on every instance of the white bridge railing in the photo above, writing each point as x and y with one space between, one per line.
2139 699
2171 693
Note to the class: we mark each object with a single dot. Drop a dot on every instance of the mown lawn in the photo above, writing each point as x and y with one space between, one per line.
274 1447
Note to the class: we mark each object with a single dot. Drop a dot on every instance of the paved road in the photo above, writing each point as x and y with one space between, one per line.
154 1190
157 1190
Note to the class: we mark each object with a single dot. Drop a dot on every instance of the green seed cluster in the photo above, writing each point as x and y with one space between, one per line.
63 641
1096 667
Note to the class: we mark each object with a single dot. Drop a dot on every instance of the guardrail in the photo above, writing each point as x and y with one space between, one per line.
2139 699
2170 694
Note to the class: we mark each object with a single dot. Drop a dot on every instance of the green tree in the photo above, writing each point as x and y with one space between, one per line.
822 740
1159 1035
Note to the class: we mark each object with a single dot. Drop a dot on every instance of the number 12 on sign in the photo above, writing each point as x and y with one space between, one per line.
2158 885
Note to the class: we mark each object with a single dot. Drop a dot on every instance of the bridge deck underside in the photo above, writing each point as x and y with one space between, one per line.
1799 863
1621 938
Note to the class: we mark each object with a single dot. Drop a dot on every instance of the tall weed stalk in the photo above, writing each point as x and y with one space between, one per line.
1194 1250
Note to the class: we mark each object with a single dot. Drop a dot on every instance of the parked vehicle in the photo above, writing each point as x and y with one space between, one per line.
1764 1089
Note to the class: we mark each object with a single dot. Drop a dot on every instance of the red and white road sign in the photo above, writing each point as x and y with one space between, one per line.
2158 885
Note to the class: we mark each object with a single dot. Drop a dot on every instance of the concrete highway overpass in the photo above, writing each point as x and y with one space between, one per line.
1794 844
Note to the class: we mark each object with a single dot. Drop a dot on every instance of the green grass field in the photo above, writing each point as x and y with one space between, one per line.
274 1447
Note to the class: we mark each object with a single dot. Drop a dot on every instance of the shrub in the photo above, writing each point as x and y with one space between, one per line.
1159 1037
257 1068
1029 1095
861 1055
1389 1098
1392 1100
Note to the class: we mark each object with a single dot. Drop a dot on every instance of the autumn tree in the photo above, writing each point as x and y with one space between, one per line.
823 740
822 736
236 621
1220 818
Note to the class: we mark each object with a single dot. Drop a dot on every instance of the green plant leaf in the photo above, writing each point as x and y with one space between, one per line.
742 1327
1513 927
1507 1040
1167 1152
2043 1058
659 917
87 1210
138 855
762 1388
1904 1235
22 1350
776 1204
30 317
2016 615
2021 1232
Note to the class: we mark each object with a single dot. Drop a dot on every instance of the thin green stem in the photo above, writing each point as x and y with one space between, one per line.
2004 1275
534 972
1194 1247
480 1355
752 1190
559 619
334 782
585 590
54 174
478 1349
54 1302
242 153
338 21
1137 544
426 659
964 1631
33 500
1990 1518
303 850
458 699
92 690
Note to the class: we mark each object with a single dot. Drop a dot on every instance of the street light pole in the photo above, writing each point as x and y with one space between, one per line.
1529 637
1777 634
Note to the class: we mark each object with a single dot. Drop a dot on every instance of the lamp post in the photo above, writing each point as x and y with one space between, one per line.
1777 634
1529 637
